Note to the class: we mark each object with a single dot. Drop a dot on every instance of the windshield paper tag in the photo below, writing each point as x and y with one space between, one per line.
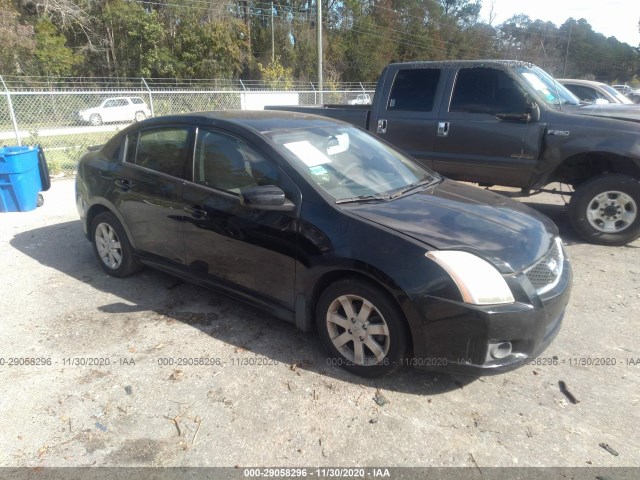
307 153
318 170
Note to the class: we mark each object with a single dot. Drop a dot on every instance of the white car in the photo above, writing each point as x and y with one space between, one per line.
361 99
117 109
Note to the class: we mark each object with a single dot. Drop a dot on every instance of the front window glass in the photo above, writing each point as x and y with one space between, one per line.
227 163
486 90
548 89
347 162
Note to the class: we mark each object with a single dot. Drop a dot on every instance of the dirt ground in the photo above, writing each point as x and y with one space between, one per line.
100 371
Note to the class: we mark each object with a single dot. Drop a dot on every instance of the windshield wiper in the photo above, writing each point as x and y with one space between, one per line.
363 198
427 180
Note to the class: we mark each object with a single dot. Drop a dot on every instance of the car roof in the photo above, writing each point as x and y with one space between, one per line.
465 63
258 120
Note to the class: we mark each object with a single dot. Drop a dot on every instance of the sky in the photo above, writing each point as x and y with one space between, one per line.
612 18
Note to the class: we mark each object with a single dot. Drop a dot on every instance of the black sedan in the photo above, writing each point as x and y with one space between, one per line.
325 226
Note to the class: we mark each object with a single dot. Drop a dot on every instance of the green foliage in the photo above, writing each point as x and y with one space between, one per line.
17 45
233 38
276 75
210 50
53 56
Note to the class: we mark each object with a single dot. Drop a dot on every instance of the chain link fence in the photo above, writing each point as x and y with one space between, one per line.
65 116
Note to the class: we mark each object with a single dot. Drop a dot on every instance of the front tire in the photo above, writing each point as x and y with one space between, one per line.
361 328
140 116
604 210
112 247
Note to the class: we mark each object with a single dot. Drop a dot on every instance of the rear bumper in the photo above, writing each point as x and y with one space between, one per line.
473 340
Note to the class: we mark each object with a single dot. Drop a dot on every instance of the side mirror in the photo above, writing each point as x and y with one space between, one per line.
534 110
267 197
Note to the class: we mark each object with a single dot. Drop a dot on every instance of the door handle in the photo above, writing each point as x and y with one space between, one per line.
443 129
123 184
382 126
196 211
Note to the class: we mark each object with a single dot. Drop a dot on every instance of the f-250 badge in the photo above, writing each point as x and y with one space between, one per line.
559 133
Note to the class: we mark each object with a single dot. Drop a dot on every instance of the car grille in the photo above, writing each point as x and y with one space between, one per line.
546 272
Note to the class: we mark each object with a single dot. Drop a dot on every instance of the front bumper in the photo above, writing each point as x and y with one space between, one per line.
479 340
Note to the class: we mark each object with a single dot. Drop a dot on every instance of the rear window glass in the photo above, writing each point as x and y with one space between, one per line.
414 90
163 150
137 100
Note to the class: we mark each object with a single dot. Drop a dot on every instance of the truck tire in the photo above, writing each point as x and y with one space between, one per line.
604 210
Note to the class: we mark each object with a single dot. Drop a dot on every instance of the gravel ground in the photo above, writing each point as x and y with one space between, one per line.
108 395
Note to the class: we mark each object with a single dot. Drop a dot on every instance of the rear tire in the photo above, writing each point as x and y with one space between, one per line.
112 247
361 328
140 116
604 210
95 119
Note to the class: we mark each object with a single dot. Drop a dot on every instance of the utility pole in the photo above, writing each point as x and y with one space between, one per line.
273 48
319 23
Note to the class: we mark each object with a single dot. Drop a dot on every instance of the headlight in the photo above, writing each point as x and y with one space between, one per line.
478 281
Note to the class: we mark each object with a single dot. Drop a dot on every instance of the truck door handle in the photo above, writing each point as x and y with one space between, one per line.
443 129
382 126
123 184
196 211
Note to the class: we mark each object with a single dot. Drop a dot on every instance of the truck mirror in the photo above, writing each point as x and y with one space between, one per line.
533 110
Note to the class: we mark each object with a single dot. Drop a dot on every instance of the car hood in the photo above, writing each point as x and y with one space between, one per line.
616 111
454 216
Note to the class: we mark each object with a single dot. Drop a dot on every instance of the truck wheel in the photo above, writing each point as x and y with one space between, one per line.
361 329
95 119
140 116
604 210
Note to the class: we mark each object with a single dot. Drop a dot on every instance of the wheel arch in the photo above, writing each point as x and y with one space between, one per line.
381 281
583 166
98 208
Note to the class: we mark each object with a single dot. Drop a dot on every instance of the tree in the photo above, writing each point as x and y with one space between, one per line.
17 43
53 55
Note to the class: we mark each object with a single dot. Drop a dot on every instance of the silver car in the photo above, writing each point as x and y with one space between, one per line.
595 92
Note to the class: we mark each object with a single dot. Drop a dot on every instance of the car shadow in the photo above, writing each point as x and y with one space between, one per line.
64 248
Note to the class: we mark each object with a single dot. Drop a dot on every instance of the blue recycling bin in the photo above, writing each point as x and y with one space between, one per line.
23 175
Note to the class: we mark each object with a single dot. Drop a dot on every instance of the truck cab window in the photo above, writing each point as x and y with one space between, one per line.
414 90
486 90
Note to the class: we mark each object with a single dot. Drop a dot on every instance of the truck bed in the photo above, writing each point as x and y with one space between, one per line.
354 114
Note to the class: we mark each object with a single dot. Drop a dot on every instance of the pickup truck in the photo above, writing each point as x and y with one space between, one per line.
509 123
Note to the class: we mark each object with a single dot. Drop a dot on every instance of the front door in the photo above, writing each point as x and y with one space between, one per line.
248 250
483 134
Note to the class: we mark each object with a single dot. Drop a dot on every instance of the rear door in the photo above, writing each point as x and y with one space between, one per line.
247 250
407 116
473 143
148 189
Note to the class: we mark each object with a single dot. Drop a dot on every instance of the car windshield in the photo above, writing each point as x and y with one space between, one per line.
349 164
551 91
622 98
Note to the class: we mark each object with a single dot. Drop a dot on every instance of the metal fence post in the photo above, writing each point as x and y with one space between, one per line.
315 94
150 97
11 112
